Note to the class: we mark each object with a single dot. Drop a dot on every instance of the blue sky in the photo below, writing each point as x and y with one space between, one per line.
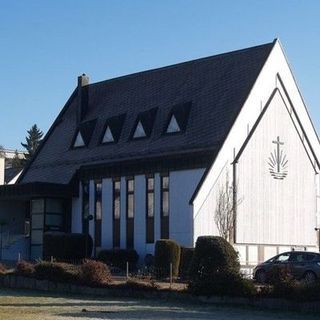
45 45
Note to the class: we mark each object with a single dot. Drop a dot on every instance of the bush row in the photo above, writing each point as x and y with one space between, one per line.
90 272
66 246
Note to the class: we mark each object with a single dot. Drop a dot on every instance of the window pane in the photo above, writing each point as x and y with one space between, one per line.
117 186
37 206
130 206
98 189
165 182
37 221
165 203
150 184
54 220
54 206
37 237
117 207
130 185
150 204
98 210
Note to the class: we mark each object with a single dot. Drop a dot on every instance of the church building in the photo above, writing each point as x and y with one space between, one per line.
177 152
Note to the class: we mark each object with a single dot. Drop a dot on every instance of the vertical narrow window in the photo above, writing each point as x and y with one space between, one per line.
150 210
165 207
85 207
130 213
98 213
116 213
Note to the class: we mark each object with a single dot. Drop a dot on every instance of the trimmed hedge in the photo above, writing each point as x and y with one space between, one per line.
119 258
66 246
186 257
166 251
213 255
223 284
56 271
215 269
90 272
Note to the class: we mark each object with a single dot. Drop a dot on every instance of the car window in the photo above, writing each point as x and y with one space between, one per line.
283 257
296 257
309 256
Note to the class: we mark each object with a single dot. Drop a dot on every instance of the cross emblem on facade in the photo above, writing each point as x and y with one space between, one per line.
278 163
278 143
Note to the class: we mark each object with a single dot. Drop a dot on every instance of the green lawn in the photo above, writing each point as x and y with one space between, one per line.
27 305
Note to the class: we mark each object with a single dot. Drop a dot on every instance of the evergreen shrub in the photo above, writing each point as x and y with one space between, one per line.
166 251
119 258
186 257
66 246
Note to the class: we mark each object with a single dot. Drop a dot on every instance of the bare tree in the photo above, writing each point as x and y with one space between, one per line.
225 212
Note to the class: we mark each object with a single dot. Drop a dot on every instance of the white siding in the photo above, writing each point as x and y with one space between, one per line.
276 211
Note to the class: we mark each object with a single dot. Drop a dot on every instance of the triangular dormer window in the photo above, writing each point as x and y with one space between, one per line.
78 142
173 125
108 136
139 131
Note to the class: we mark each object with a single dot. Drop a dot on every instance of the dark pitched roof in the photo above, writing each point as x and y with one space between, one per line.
216 88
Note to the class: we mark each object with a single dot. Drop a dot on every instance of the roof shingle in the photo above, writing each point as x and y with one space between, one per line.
216 86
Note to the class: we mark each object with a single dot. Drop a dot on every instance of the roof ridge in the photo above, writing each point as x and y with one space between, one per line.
181 63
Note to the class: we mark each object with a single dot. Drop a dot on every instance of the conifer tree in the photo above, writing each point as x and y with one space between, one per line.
17 161
33 140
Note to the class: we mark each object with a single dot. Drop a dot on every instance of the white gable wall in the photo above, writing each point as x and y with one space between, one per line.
205 200
275 211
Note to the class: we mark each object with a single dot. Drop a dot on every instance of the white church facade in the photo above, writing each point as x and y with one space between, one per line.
138 158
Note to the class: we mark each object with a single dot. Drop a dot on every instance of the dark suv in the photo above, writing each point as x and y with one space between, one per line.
301 264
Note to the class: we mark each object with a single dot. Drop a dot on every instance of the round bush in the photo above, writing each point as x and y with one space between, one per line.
166 252
95 273
213 255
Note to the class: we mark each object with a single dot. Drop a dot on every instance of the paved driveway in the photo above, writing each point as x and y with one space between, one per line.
32 305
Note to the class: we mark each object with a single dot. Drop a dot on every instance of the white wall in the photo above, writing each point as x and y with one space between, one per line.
2 162
181 187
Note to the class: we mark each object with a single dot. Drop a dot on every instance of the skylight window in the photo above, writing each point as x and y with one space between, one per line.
108 136
78 142
139 132
173 125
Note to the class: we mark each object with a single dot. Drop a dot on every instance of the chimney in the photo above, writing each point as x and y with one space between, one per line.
83 82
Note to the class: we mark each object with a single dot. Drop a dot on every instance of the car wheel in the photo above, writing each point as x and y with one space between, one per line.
261 276
309 277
